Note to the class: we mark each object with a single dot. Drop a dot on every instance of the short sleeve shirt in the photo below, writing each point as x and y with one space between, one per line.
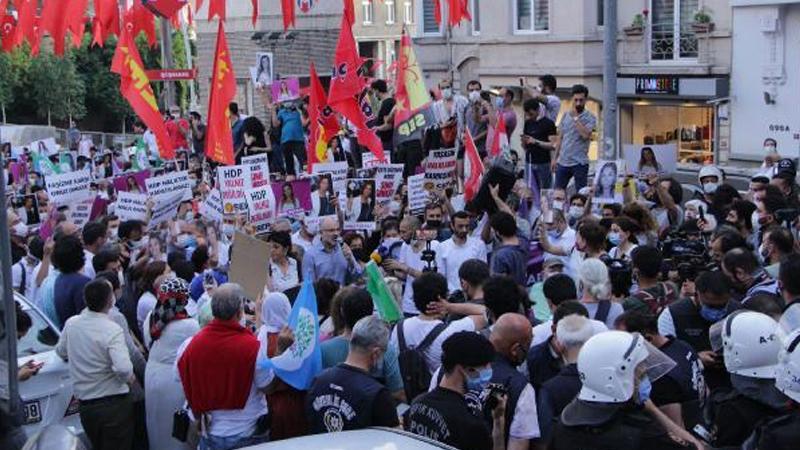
574 148
291 126
444 416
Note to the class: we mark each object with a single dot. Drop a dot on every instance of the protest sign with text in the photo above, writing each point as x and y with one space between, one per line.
170 183
417 195
211 208
440 168
165 209
261 204
234 181
79 212
338 171
131 206
70 187
387 179
259 169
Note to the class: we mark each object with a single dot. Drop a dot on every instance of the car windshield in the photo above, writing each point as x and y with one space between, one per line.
40 338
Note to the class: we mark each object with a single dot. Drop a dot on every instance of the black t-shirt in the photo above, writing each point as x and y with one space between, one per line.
347 398
443 415
385 109
685 381
540 130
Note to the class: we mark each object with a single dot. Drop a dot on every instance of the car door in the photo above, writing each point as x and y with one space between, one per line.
47 396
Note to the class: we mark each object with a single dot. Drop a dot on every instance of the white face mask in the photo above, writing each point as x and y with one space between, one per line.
474 96
710 188
20 229
770 149
558 204
447 93
575 212
228 229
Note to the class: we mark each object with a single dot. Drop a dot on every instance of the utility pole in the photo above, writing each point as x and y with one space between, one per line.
609 148
167 62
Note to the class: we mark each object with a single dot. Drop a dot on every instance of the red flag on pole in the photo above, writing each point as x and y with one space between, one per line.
26 18
437 11
473 182
500 136
216 8
106 20
135 87
7 30
458 11
76 20
255 11
323 124
139 19
349 11
287 7
219 138
54 22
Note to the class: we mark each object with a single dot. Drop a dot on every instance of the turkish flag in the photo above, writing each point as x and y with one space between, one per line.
473 182
323 124
500 136
139 19
7 29
76 20
26 23
219 138
216 8
135 87
287 7
349 11
106 20
54 22
459 10
255 11
37 34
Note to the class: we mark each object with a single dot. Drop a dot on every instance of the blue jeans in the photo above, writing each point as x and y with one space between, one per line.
544 177
563 175
211 442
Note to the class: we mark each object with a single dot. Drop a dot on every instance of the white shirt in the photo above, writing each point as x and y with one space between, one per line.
415 330
152 145
565 242
233 422
283 281
94 347
30 278
616 253
147 302
544 330
88 267
299 240
413 260
451 255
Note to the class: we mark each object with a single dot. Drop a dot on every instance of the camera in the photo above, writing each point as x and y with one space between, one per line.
494 392
428 256
786 216
687 256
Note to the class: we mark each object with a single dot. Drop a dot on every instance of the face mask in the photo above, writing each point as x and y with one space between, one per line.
712 315
770 149
435 224
188 216
447 93
481 381
710 188
558 204
575 212
645 387
580 108
498 102
554 234
136 244
614 238
187 240
474 96
175 116
228 229
358 253
20 229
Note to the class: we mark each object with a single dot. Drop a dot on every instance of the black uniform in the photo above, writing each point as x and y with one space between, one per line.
503 372
683 384
347 398
782 433
542 364
608 426
555 394
444 416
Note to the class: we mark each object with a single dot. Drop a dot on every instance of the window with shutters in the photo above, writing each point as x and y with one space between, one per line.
429 25
475 10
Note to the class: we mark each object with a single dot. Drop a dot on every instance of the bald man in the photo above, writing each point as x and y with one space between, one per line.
511 337
327 258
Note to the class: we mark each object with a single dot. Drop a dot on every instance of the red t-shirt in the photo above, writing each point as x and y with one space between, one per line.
177 133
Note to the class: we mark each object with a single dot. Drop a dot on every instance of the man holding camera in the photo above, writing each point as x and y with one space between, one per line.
417 255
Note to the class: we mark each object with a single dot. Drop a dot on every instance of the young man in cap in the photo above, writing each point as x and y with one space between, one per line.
784 179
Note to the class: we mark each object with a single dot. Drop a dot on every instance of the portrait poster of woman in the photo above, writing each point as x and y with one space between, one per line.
607 183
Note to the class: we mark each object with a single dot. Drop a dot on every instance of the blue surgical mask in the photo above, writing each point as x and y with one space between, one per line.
614 238
712 315
479 382
645 387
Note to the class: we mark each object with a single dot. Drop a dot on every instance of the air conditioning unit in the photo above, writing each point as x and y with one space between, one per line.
165 8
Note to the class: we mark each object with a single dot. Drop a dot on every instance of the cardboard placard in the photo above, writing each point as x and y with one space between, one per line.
211 208
440 168
165 209
387 179
131 206
68 188
249 266
79 212
170 183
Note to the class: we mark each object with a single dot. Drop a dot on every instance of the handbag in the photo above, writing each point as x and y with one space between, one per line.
180 425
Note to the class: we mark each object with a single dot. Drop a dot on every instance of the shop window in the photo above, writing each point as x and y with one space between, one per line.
688 126
531 16
671 34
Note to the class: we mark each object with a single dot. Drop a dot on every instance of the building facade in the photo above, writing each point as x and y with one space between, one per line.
377 29
514 41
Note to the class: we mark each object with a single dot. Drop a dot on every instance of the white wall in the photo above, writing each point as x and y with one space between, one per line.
751 117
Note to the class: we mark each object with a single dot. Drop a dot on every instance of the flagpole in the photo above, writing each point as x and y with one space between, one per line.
166 61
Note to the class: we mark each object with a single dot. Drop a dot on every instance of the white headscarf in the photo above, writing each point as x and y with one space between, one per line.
275 312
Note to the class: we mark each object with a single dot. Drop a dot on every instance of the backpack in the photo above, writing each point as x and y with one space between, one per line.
656 303
413 368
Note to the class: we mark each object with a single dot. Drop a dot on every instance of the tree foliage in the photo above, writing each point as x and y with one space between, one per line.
56 87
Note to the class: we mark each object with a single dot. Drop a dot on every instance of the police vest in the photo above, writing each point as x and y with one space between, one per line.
782 433
514 382
690 327
623 431
341 399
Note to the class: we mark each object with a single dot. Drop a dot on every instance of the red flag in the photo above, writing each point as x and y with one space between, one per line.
437 11
106 20
349 11
323 123
216 8
459 10
7 29
135 87
287 7
219 138
255 11
3 7
37 35
500 136
347 87
54 22
139 19
26 18
473 182
76 20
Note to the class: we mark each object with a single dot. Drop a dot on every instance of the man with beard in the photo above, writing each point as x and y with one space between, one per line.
409 264
747 276
572 148
459 248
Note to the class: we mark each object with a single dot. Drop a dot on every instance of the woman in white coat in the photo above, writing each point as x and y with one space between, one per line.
165 329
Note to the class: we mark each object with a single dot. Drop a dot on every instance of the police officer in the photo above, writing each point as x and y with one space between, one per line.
783 433
608 412
750 350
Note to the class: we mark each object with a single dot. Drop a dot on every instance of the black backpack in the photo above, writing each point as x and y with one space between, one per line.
413 368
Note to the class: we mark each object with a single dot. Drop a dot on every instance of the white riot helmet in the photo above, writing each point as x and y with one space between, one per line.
787 377
751 344
709 171
610 362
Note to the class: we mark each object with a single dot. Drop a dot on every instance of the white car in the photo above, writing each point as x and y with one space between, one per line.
47 396
367 439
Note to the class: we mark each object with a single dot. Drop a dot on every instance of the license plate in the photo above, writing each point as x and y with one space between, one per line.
32 411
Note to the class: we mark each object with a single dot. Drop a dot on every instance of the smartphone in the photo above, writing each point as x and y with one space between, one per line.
521 82
339 241
702 214
548 217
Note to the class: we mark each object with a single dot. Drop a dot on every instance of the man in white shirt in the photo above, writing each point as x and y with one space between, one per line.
101 370
304 237
459 248
560 236
23 274
95 235
410 262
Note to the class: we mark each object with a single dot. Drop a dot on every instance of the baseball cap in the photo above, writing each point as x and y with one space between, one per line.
552 262
785 169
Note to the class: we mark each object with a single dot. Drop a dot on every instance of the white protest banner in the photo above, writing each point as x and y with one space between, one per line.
170 183
440 168
368 160
211 208
79 212
417 195
261 203
131 206
338 171
259 169
68 188
234 181
166 208
48 145
387 179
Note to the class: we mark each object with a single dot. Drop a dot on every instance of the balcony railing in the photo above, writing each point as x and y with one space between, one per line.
657 44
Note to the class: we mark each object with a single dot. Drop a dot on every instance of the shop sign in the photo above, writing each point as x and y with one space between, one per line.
662 85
